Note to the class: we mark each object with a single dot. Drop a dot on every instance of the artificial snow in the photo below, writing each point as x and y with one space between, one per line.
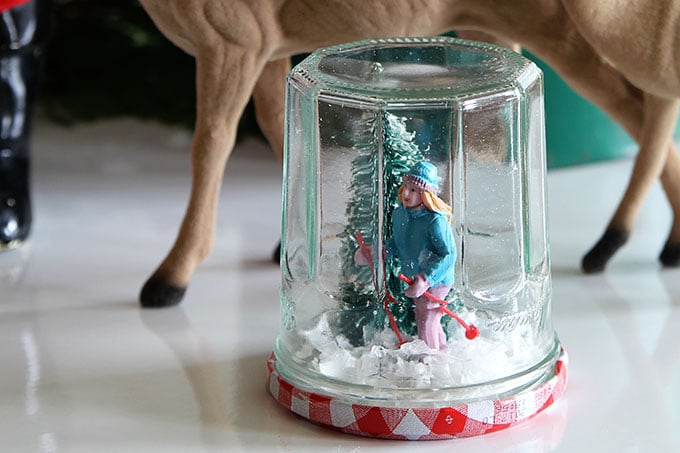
414 365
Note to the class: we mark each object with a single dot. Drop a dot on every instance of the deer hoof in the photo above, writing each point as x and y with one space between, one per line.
596 259
157 293
276 254
670 255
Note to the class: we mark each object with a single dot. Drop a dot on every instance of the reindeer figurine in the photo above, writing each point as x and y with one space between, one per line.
620 54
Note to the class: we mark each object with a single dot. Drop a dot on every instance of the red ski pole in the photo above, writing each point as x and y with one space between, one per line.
367 254
471 332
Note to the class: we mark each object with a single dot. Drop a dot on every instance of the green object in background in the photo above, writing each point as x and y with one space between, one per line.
577 132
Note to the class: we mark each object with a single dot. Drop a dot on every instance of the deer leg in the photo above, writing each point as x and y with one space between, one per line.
224 81
626 105
647 119
269 96
659 117
631 119
670 181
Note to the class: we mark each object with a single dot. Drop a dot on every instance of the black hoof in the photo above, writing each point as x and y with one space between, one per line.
276 255
156 293
670 256
596 259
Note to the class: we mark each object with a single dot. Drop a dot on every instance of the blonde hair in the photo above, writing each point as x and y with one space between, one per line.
430 200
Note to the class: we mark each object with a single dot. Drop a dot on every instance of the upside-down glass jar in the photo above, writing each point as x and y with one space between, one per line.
416 291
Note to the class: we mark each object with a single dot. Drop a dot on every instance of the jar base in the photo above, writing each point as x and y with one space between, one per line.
409 423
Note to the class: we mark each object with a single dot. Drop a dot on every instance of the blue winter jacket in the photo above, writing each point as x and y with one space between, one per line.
423 241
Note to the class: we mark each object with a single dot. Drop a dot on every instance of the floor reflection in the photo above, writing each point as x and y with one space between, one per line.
646 333
202 368
13 263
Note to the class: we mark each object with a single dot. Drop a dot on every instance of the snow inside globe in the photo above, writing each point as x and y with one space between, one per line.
416 290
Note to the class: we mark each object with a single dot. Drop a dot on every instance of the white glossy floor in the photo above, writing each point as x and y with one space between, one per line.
85 370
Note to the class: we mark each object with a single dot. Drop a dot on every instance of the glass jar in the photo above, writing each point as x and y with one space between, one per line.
463 122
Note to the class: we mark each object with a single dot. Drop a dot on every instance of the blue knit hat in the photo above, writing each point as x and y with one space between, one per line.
423 175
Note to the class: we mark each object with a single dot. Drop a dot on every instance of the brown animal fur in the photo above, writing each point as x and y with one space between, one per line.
623 55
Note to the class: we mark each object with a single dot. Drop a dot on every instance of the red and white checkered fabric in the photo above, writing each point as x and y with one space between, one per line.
418 424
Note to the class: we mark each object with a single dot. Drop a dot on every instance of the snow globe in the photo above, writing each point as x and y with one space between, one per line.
416 290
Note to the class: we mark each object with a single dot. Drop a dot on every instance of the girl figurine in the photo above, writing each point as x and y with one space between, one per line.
422 239
423 242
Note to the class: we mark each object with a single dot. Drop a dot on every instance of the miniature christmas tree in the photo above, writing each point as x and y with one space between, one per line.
360 305
362 295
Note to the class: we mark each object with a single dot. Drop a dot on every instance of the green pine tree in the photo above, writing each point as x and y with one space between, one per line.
359 307
362 303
